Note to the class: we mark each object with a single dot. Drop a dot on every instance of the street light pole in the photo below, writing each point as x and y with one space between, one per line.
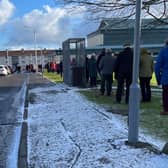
35 46
35 49
134 98
7 57
42 60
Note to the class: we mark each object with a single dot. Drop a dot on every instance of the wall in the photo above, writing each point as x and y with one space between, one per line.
95 40
118 37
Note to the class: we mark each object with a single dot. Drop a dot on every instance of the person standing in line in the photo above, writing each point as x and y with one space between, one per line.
107 66
123 72
92 69
61 68
47 66
145 74
99 59
86 68
161 72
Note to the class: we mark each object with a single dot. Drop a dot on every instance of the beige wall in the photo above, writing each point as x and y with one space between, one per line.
95 40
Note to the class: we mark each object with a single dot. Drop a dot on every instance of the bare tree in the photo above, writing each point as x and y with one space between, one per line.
98 9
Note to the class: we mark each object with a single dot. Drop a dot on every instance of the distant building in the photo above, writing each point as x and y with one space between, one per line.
113 33
25 57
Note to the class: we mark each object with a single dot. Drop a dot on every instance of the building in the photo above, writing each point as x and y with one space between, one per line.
113 33
23 57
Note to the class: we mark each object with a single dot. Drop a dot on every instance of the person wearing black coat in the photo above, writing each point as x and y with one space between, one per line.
99 59
86 68
92 69
123 72
61 68
107 67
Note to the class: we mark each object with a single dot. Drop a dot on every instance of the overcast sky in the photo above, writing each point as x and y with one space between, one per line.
52 24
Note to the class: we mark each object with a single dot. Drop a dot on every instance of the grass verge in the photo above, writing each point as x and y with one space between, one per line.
150 119
53 76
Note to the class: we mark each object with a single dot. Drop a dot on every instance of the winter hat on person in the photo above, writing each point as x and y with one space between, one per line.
144 51
126 45
108 50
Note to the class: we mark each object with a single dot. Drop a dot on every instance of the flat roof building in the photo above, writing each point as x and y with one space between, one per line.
113 33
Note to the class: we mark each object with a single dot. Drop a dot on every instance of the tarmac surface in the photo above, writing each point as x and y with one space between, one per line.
33 81
11 102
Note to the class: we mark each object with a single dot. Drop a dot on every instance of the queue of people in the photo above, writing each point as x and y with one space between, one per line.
55 67
108 65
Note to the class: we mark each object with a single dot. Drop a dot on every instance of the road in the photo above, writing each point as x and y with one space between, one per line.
12 94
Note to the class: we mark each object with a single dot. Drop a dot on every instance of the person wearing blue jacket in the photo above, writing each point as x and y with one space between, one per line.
161 72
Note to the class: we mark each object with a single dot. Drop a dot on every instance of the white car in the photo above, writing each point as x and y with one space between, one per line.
3 70
8 70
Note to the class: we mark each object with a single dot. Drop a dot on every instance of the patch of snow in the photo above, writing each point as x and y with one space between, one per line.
66 130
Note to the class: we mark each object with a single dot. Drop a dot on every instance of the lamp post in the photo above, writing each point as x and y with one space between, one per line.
7 57
134 98
35 49
42 60
35 46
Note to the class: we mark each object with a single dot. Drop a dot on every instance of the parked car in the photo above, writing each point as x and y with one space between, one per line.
3 70
11 70
8 69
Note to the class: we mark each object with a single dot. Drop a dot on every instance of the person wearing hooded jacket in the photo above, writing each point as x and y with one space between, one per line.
161 72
